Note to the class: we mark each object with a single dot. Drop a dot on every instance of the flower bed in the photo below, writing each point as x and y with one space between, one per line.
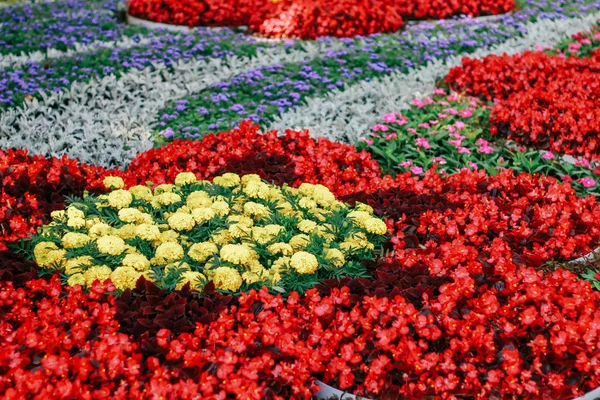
309 19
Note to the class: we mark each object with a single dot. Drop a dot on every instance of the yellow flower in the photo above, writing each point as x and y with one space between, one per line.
236 254
52 259
363 207
120 199
256 210
256 189
147 232
359 217
184 178
137 261
307 203
125 277
221 237
255 276
307 226
129 214
304 263
299 241
166 199
202 251
239 231
227 180
168 252
240 219
126 231
76 279
76 223
335 256
281 248
58 214
195 279
43 248
141 192
318 193
220 208
74 212
325 232
375 226
197 199
73 265
168 237
113 182
91 222
112 245
181 222
163 188
203 214
73 240
100 229
97 272
250 178
282 263
226 278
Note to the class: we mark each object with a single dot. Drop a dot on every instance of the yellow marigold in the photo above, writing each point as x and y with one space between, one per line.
359 217
203 214
255 276
58 214
141 192
74 212
168 237
73 265
184 178
113 182
226 278
202 251
167 198
52 259
127 231
73 240
125 277
221 237
91 222
286 208
120 199
97 272
299 241
112 245
163 188
320 214
43 248
304 263
177 266
281 248
76 279
282 263
100 229
335 256
181 222
256 189
363 207
129 214
195 279
325 231
307 203
227 180
236 254
256 210
318 193
147 232
145 218
238 231
240 219
197 199
306 226
168 252
76 223
250 178
375 226
138 262
220 208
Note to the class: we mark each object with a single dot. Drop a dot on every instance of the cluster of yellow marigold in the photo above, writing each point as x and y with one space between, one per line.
228 257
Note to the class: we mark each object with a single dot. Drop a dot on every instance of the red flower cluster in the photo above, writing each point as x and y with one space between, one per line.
33 186
480 222
309 19
551 102
293 158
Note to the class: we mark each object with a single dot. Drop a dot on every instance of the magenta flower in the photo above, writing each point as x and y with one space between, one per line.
405 164
459 125
367 141
466 114
587 182
439 91
548 155
418 103
473 166
439 160
452 111
486 149
434 122
379 127
464 150
411 130
442 116
583 163
392 135
390 118
422 142
417 170
456 143
424 125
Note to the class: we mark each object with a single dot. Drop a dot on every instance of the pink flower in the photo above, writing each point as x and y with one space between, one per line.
573 47
482 142
473 166
597 36
583 163
439 160
367 141
466 114
422 142
433 132
456 143
586 41
392 135
587 182
405 164
464 150
434 122
379 127
548 155
452 111
450 128
458 136
402 121
389 118
429 100
417 170
459 125
439 91
424 125
453 97
442 116
501 159
411 130
418 103
486 149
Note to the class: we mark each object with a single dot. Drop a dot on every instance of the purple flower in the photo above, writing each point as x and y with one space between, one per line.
168 133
